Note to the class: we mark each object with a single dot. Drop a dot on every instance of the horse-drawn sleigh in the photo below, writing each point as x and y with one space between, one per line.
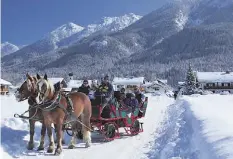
48 104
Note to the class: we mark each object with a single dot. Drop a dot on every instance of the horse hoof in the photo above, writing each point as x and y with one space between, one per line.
87 145
71 146
40 148
30 146
50 149
58 151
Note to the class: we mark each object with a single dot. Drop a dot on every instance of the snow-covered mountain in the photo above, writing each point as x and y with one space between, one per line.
8 48
163 42
48 43
104 26
70 33
63 32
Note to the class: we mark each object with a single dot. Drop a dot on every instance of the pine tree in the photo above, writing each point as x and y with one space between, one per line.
190 81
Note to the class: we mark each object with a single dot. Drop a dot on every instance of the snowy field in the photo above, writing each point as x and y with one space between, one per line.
194 127
15 135
213 115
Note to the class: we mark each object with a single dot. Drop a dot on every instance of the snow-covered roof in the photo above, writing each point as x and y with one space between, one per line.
163 81
74 83
181 83
4 82
55 80
78 83
214 76
148 84
67 89
128 81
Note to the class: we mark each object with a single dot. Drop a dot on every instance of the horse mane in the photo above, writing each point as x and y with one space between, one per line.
34 78
51 86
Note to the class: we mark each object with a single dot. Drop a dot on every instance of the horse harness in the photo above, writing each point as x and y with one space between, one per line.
51 105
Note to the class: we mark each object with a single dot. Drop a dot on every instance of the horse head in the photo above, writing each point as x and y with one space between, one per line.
45 89
27 89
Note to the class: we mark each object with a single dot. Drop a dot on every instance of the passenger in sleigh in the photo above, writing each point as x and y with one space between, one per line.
131 102
85 88
139 95
105 93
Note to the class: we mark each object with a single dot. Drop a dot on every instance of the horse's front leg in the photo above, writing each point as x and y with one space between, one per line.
43 131
51 140
59 138
32 131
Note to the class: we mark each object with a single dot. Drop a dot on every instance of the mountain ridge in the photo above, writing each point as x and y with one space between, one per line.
153 44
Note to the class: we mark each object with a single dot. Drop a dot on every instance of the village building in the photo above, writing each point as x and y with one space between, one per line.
75 84
59 79
128 83
216 82
157 85
5 85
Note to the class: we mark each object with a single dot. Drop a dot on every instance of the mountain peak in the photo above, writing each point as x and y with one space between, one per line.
63 31
70 26
8 48
127 17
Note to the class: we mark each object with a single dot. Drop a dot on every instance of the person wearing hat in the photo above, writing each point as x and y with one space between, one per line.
106 90
85 88
106 87
139 95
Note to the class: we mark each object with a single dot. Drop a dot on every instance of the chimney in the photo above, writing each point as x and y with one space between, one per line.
71 76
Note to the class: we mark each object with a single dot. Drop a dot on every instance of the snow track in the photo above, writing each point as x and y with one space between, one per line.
180 136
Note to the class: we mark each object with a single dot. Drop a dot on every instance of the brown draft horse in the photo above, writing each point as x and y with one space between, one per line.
28 90
81 105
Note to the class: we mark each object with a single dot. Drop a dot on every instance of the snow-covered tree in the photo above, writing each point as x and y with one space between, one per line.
190 81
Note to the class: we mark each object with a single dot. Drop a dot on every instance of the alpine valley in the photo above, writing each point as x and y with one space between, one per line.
161 43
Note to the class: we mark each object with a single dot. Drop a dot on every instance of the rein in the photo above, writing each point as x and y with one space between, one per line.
39 106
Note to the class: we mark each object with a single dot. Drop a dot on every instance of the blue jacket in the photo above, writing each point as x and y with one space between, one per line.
140 96
133 103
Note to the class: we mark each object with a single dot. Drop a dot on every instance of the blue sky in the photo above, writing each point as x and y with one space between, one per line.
25 21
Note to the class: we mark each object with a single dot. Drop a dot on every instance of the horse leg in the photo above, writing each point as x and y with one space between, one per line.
32 131
73 138
51 140
63 140
43 131
86 131
59 138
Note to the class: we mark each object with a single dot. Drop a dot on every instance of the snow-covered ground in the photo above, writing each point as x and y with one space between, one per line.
15 135
192 127
213 113
196 127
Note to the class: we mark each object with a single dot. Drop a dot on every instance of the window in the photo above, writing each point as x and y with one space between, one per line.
120 86
214 84
223 84
229 84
